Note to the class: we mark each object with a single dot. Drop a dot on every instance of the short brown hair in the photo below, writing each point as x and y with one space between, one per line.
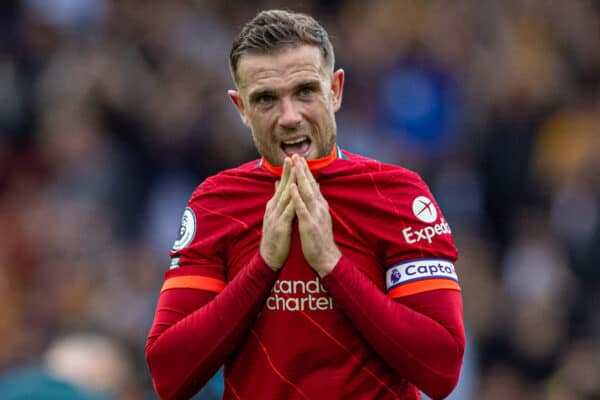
272 30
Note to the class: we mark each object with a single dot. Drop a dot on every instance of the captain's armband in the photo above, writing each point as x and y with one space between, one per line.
422 275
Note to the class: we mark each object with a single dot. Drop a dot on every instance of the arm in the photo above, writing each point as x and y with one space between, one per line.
420 336
194 331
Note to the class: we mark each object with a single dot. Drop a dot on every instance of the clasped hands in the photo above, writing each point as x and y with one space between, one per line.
297 194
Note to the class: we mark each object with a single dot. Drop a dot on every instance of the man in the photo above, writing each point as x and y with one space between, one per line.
313 273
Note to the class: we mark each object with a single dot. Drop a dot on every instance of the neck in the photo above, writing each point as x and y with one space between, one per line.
314 164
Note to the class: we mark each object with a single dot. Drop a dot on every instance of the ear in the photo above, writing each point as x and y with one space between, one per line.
236 99
337 88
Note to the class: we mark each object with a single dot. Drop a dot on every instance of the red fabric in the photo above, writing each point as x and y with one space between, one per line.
290 335
420 336
192 336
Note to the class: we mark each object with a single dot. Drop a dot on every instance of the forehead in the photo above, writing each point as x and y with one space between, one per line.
280 67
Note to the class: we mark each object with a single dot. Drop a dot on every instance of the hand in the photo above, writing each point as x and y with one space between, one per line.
277 221
314 219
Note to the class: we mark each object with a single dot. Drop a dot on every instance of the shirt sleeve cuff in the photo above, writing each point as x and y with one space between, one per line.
262 268
338 272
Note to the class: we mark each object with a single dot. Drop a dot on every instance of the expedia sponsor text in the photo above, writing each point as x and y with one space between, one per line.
412 235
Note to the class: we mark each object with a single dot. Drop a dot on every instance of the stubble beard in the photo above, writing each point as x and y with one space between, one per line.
271 151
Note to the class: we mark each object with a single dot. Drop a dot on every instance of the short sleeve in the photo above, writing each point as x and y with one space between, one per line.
419 249
197 260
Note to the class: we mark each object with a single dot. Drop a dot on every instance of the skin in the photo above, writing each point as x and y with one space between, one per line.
283 96
314 220
286 95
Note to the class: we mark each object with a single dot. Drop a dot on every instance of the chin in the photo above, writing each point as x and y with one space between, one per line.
276 160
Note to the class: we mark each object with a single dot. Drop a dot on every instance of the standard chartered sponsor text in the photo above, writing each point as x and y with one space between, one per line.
298 295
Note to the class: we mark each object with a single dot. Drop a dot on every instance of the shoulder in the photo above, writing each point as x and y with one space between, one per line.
216 206
385 173
229 181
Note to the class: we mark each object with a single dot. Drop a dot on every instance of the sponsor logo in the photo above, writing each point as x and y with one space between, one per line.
187 230
297 295
412 235
419 269
424 209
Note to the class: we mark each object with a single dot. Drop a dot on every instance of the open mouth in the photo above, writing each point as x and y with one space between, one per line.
299 146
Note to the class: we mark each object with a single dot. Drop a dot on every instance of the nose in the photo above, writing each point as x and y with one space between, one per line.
290 116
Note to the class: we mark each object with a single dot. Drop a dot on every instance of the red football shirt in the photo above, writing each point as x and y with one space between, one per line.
384 323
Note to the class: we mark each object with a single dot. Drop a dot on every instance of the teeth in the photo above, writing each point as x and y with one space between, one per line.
294 141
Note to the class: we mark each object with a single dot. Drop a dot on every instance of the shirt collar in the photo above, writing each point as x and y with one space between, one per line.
313 165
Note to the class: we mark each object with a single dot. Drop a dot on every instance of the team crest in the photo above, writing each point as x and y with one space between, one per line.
187 230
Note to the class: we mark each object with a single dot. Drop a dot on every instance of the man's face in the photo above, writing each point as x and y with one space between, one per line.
289 101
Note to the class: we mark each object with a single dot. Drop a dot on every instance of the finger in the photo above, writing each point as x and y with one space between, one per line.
299 204
305 187
285 178
316 194
285 198
309 174
289 212
287 167
285 195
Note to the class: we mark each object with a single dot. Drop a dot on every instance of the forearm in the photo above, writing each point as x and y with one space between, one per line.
184 355
423 344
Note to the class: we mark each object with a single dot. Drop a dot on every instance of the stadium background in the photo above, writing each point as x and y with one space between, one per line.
111 111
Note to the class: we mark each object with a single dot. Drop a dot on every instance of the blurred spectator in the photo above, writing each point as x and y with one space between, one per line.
25 384
93 363
112 111
420 105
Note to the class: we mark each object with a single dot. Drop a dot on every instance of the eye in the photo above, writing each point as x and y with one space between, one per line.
305 91
265 99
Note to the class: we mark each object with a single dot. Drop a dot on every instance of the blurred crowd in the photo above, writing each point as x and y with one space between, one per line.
112 111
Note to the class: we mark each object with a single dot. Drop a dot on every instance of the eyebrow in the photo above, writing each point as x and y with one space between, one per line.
261 92
308 82
272 92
